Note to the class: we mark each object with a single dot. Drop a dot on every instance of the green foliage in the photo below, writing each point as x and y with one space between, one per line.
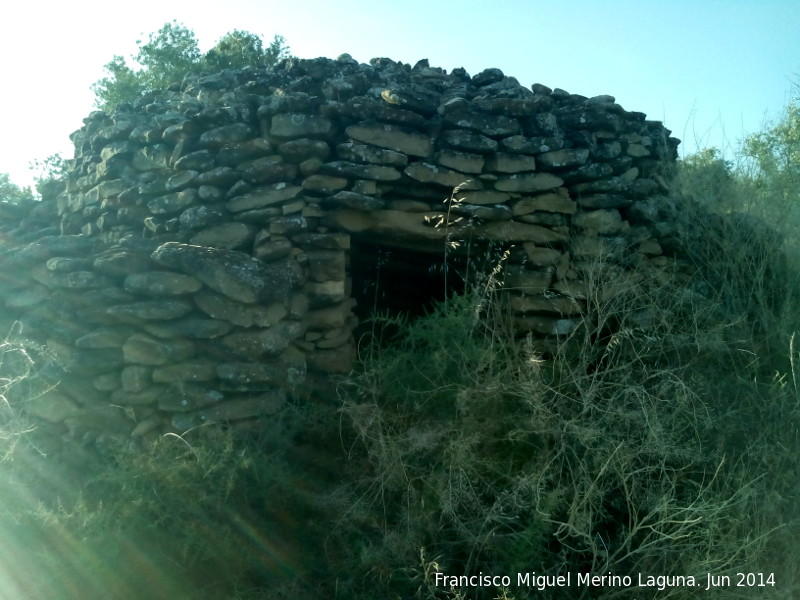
660 437
173 52
121 84
775 152
496 461
212 514
168 56
769 172
51 176
762 179
239 49
11 193
707 176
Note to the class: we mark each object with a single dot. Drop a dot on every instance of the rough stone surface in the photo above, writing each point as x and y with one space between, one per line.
233 274
145 350
264 196
205 257
394 138
219 307
534 182
151 309
161 283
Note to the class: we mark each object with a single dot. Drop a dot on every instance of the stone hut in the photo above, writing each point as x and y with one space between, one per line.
218 242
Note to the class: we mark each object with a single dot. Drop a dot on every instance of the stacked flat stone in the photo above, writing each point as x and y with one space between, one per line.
197 266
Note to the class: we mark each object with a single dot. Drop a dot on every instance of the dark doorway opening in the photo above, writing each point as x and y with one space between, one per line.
402 281
398 281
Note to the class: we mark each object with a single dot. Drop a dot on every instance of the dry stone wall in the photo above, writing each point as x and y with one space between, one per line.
201 265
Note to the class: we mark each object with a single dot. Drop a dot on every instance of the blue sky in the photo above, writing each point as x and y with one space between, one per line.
712 70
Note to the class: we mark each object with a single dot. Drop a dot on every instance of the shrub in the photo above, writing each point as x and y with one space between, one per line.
655 439
659 437
213 514
173 52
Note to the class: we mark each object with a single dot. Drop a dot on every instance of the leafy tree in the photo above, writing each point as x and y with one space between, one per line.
773 158
277 50
168 56
239 49
762 180
706 174
49 182
11 193
122 84
51 178
173 52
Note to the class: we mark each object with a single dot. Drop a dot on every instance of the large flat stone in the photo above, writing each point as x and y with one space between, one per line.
539 303
104 337
161 283
267 403
604 221
197 371
245 315
269 169
257 343
460 161
341 168
513 231
251 376
527 281
541 257
393 138
568 157
511 163
528 182
469 141
145 350
232 154
51 406
297 125
151 395
550 202
263 196
427 173
368 153
234 274
151 309
226 134
184 397
196 328
225 235
490 125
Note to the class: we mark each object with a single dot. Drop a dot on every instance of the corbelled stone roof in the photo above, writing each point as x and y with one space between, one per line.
209 248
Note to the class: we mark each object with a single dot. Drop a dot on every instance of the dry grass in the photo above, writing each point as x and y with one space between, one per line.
660 437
